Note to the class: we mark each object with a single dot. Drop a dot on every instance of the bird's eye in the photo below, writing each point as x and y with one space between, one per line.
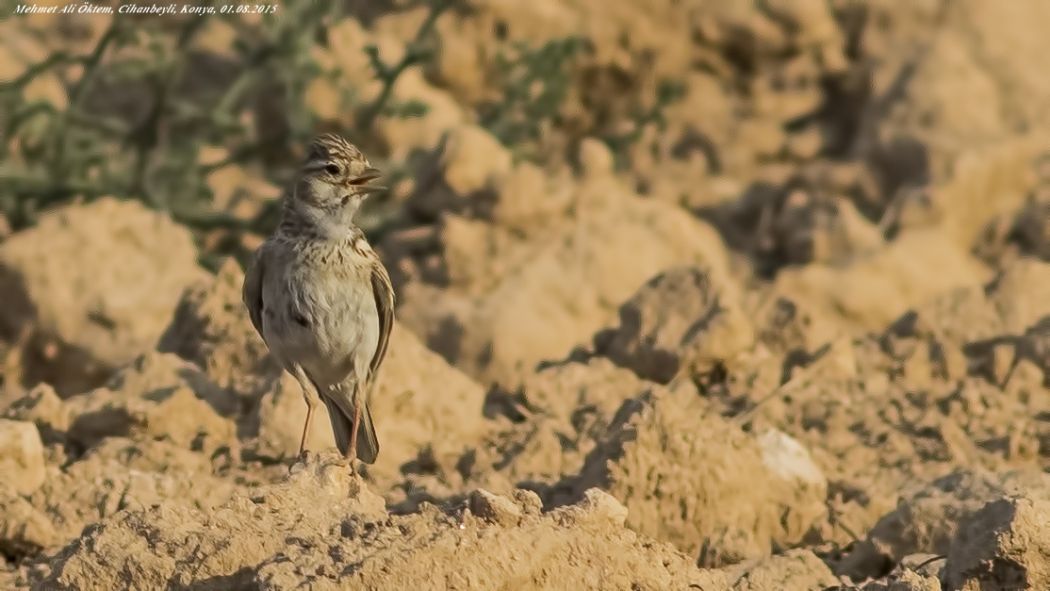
332 169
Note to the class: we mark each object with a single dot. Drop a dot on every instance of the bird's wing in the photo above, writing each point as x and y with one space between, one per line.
252 292
383 292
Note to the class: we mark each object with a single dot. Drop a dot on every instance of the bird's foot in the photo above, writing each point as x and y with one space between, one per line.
300 462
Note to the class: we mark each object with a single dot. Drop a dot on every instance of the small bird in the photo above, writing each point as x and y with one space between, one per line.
320 297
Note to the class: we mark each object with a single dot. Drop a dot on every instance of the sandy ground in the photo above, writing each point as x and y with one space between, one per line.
801 341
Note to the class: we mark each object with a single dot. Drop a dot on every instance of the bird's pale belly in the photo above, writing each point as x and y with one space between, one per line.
324 322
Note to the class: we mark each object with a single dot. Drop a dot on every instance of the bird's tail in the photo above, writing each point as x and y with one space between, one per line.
342 423
367 442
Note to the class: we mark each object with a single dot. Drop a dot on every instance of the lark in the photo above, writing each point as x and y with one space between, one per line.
320 297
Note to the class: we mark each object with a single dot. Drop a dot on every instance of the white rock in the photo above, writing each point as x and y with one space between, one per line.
788 459
21 455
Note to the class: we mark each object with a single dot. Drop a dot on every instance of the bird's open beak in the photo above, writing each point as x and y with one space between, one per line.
369 174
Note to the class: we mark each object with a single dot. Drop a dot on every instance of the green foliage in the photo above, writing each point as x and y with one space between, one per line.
416 52
535 83
407 109
138 117
133 129
143 104
668 92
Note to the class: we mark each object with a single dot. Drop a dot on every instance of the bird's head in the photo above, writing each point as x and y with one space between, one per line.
333 180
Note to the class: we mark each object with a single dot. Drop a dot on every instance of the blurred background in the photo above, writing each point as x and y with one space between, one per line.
710 106
750 199
802 131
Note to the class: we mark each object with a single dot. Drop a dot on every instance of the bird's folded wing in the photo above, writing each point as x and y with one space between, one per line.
252 290
383 292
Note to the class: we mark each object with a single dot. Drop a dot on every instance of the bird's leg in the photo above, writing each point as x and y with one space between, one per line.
355 422
311 402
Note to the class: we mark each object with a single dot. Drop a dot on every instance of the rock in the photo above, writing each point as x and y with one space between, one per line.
222 543
96 283
795 569
529 502
528 197
597 385
874 291
596 159
811 20
912 581
1021 295
804 228
211 328
938 318
21 456
23 529
473 160
916 572
494 508
120 474
988 50
785 326
153 374
928 518
42 406
602 505
540 553
786 458
923 564
158 396
570 408
682 318
688 477
904 580
765 136
493 319
1002 168
806 144
179 417
1005 545
1032 229
336 521
596 506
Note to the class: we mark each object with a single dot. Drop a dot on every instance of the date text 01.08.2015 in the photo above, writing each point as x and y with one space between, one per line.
248 9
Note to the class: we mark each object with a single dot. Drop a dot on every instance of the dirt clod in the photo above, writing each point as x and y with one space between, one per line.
1003 546
95 284
21 455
